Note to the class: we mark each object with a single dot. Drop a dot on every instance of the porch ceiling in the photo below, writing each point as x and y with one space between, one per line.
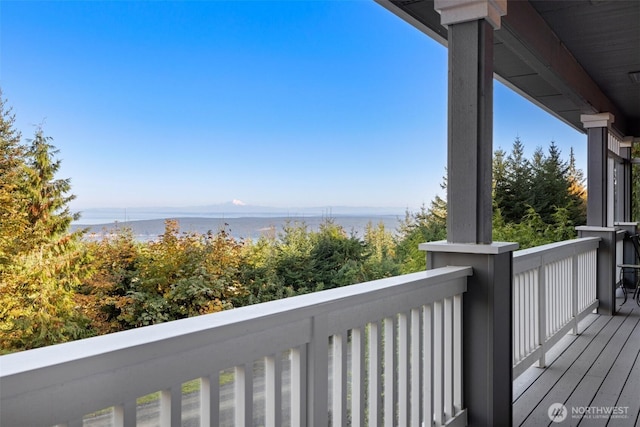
569 57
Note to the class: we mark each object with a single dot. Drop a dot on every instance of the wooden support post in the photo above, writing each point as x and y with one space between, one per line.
606 281
470 128
486 306
487 341
598 200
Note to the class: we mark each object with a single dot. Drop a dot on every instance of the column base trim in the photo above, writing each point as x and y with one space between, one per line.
469 248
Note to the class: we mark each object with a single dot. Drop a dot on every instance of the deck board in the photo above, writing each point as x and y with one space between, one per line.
609 391
549 377
598 368
630 396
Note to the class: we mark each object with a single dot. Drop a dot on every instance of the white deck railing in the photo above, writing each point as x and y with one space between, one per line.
554 287
386 352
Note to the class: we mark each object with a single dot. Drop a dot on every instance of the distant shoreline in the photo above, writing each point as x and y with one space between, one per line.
241 227
93 216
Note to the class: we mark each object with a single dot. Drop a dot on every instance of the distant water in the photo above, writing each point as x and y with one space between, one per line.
239 227
109 216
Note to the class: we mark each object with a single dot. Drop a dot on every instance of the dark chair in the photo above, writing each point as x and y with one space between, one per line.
633 268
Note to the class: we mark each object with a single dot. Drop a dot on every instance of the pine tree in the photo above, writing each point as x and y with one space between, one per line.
381 249
550 183
49 214
499 175
512 179
12 217
36 300
577 208
426 225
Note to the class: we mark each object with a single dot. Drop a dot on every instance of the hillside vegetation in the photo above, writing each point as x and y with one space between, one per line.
57 286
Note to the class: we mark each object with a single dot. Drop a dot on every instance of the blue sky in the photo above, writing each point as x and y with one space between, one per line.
287 104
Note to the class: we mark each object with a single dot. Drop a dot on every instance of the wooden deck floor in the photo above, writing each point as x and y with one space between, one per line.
595 371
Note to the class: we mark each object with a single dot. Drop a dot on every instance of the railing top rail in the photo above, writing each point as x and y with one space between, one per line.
523 259
201 330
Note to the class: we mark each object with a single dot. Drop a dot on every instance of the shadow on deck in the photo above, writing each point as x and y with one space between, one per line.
595 375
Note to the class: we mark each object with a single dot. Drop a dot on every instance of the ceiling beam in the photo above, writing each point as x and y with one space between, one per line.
528 36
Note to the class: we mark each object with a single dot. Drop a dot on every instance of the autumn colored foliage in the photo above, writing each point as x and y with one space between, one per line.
57 285
41 262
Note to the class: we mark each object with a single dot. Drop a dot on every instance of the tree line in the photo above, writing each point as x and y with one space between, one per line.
57 286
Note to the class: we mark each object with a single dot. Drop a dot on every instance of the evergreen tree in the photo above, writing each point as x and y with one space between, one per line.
259 272
381 253
48 211
550 183
293 263
12 198
337 257
499 176
513 183
426 225
577 208
519 179
36 300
